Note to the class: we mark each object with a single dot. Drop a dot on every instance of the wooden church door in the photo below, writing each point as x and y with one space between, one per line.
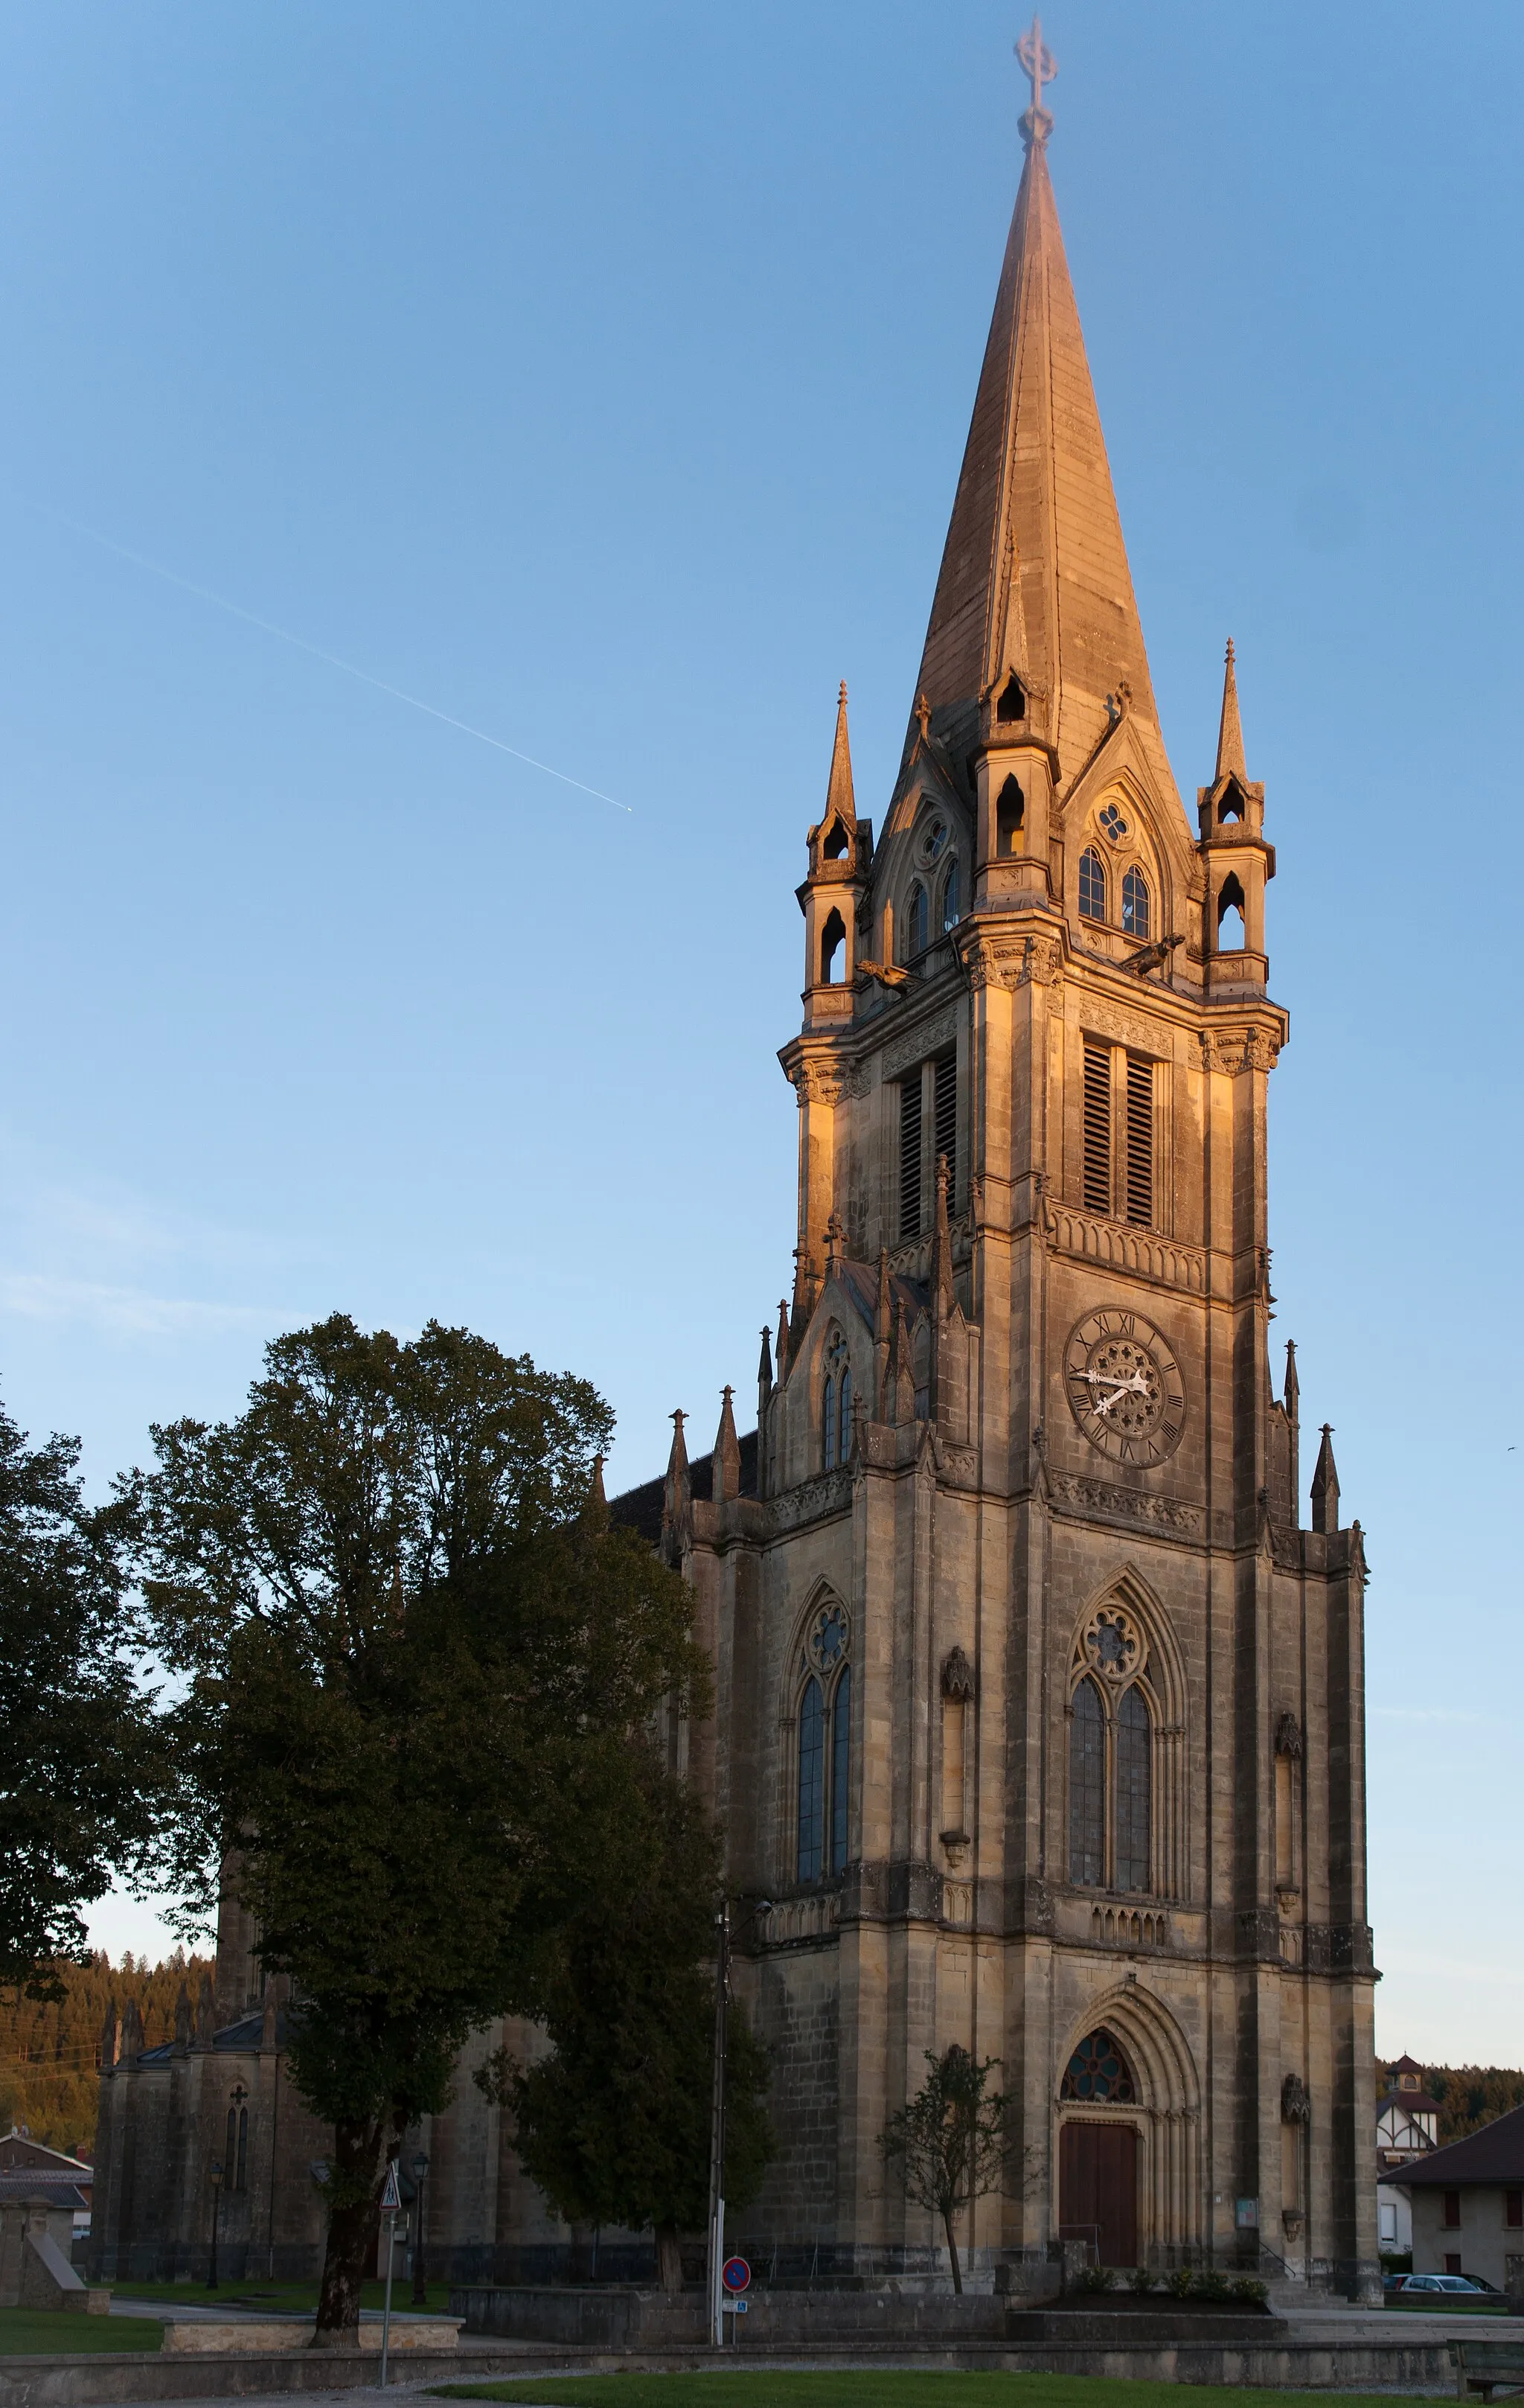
1097 2190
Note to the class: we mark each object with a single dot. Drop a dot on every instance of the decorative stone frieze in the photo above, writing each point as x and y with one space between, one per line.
1083 1495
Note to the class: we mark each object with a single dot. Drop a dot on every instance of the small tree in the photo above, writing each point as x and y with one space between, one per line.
81 1768
950 2141
613 2125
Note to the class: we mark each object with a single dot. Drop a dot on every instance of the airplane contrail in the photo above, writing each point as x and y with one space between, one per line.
284 634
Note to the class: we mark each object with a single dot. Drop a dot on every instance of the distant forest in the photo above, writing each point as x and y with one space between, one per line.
1468 2096
49 2053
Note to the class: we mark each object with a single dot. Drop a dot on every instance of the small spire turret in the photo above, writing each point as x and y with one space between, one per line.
1231 761
677 1494
725 1471
1325 1486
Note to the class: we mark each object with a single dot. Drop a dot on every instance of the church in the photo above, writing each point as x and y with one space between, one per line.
1039 1721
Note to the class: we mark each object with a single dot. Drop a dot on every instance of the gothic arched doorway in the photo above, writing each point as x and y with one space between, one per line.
1098 2153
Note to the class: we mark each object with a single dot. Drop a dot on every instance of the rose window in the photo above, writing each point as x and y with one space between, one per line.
828 1637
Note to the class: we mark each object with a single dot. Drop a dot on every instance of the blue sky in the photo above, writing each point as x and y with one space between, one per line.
600 375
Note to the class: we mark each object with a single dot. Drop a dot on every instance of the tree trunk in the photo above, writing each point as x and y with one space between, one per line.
669 2258
952 2252
354 2222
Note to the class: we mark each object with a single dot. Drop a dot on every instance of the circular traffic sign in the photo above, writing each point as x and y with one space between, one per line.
735 2274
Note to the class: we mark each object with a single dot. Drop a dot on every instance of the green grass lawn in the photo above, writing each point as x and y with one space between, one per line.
278 2297
890 2388
25 2329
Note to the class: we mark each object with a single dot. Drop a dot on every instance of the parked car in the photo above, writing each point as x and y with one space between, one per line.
1449 2284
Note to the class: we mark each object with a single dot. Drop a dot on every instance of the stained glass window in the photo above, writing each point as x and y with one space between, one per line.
841 1765
1134 1749
1088 1789
1098 2071
811 1781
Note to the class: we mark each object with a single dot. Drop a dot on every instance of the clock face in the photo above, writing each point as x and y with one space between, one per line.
1124 1386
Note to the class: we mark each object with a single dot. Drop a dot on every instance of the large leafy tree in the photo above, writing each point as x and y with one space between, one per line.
81 1763
951 2140
614 2124
418 1657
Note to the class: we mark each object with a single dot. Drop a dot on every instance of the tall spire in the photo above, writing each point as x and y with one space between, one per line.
1231 761
839 800
1034 574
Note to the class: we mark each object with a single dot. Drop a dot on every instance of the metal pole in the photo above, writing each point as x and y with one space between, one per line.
717 2142
386 2312
421 2287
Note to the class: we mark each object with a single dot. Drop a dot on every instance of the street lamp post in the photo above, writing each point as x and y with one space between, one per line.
217 2200
420 2287
717 2127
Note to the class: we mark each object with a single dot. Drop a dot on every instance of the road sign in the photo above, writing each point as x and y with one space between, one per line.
736 2274
734 2307
390 2196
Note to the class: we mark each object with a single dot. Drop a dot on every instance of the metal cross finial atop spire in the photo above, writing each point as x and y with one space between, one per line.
1040 67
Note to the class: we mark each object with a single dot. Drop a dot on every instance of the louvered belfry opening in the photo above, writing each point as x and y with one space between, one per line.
944 1113
1097 1127
1119 1175
910 1156
1140 1139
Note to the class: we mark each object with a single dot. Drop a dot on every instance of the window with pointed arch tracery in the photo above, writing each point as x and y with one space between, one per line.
1111 1746
824 1795
1092 885
917 920
1098 2072
950 906
1135 900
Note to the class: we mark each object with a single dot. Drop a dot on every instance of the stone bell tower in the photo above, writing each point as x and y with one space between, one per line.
1039 1718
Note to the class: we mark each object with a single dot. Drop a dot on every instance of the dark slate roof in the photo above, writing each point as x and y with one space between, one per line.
240 2038
1493 2155
640 1509
40 2181
1413 2102
19 2151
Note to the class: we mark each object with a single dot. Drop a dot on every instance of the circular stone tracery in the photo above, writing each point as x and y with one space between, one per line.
1113 1644
828 1637
1098 2072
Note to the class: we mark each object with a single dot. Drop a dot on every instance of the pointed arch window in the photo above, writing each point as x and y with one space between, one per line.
950 906
1230 915
1088 1787
811 1781
843 1418
1135 1753
1099 2071
841 1765
1135 913
1092 885
916 931
824 1795
1010 811
832 939
1111 1756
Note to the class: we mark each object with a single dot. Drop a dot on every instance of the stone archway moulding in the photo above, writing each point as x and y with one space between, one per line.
1166 2114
